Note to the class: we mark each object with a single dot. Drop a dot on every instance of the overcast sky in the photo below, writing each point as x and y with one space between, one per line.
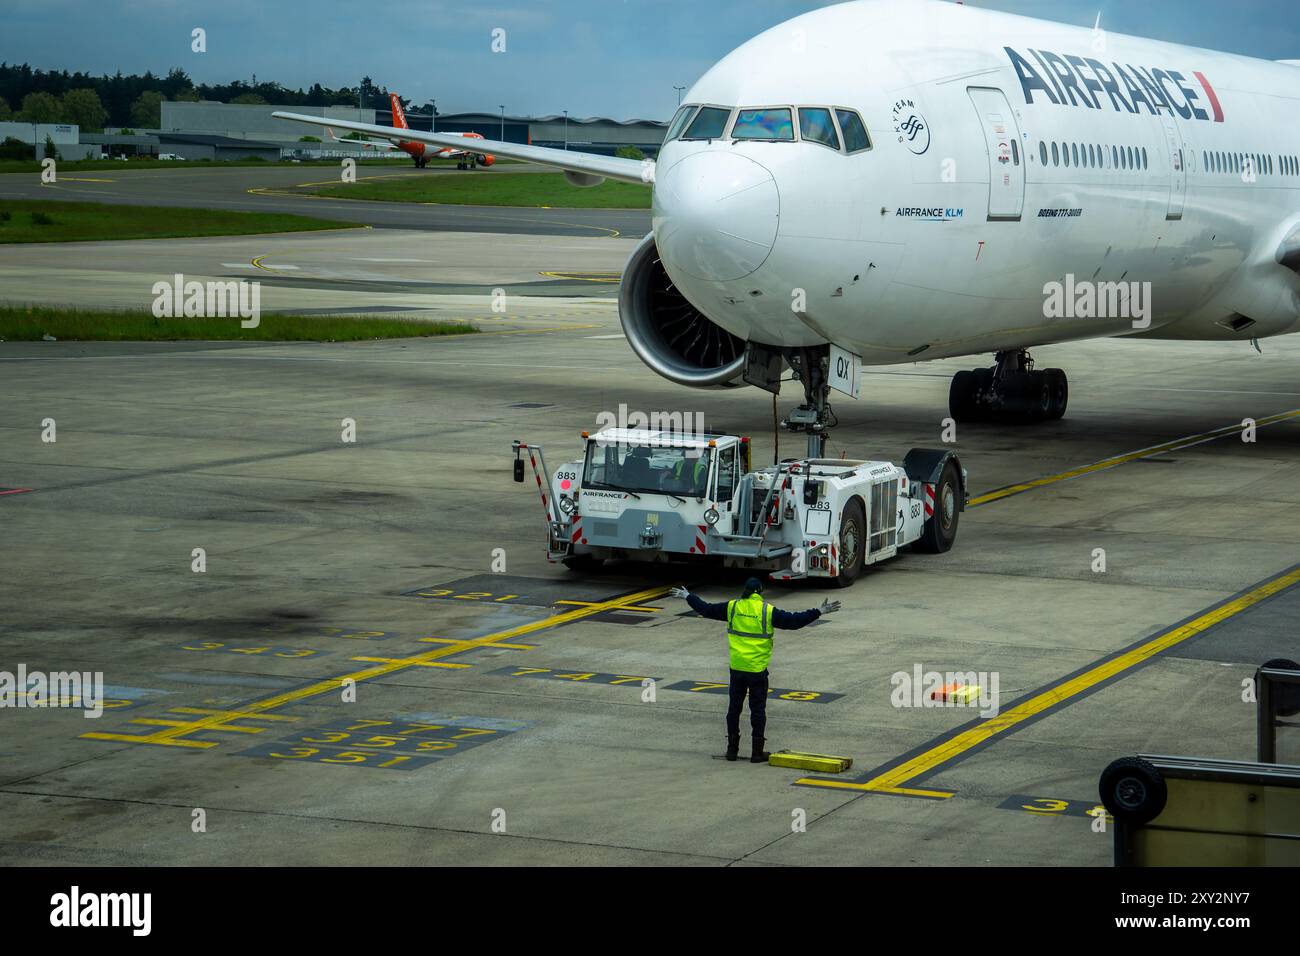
618 58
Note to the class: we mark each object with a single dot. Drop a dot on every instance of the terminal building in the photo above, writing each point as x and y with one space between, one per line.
255 122
229 131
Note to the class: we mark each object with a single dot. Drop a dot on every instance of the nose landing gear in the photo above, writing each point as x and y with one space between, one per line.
815 415
1012 392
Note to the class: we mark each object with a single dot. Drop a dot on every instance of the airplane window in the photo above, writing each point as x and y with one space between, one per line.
1015 152
1205 160
1144 156
855 134
816 124
1074 153
1056 156
1065 155
1114 158
764 124
679 122
708 123
1042 152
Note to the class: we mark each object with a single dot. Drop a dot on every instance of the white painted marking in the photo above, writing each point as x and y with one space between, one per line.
618 336
381 259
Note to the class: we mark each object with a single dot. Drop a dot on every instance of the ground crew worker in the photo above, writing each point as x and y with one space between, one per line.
750 622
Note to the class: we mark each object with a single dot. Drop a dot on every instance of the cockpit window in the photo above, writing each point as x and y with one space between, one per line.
709 123
773 123
815 124
679 122
855 134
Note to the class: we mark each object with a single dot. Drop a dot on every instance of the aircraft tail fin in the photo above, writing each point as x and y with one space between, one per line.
399 117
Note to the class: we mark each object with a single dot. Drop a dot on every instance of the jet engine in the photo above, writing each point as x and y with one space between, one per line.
483 159
667 333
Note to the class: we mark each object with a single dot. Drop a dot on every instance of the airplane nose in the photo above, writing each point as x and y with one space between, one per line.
715 215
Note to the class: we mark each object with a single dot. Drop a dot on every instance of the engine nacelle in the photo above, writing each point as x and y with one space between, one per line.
483 159
667 333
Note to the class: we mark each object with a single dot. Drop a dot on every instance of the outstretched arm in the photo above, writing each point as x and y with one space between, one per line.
793 620
715 612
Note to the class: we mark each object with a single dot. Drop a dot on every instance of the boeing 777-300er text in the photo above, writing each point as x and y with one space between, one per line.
890 181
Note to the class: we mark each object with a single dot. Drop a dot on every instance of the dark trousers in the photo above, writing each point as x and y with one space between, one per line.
755 685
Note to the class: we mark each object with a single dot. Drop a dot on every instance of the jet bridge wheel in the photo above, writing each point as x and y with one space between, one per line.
584 562
852 544
1132 790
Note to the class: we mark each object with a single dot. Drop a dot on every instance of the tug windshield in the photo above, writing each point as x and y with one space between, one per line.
647 469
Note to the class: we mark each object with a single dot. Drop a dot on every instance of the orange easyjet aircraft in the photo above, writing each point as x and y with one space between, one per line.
422 152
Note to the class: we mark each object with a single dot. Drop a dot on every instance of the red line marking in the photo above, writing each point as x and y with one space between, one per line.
14 491
1214 99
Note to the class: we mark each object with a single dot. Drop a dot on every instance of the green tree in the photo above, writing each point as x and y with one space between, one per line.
250 99
51 151
83 107
5 111
146 111
309 139
41 108
629 152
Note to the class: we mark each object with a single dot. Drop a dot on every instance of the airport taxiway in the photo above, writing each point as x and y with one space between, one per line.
375 560
356 677
286 189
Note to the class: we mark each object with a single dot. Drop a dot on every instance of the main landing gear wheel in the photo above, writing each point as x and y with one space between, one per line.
1011 392
1132 790
941 528
852 544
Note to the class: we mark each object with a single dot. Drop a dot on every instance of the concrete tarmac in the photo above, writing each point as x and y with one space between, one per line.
281 189
490 720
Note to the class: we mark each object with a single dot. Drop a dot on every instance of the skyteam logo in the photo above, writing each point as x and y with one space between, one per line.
1086 82
911 126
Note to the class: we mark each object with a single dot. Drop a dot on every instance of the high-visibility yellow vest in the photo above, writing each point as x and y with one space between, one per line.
749 632
699 467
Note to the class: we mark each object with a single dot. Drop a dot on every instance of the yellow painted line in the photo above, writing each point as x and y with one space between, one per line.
1106 463
928 760
448 640
74 179
607 277
396 660
647 610
172 735
230 713
149 739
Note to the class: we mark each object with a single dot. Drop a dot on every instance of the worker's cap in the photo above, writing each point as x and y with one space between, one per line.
753 586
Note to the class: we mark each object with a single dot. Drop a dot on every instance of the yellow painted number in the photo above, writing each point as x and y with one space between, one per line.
1051 806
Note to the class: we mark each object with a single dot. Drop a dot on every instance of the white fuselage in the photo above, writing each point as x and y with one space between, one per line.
940 239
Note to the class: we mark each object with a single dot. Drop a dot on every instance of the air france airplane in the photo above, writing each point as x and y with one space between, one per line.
902 180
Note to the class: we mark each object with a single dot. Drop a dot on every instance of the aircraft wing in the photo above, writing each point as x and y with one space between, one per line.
586 169
363 143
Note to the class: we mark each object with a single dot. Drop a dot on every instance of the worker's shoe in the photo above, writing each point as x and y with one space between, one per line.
759 755
733 746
